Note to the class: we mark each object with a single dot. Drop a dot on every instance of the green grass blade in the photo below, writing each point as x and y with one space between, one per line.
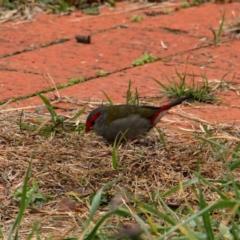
206 131
214 35
223 77
237 148
97 199
157 213
235 190
108 98
222 204
92 233
235 230
216 144
161 84
189 234
26 127
48 106
224 197
136 96
1 233
205 216
116 145
182 79
16 236
234 185
129 92
169 210
221 27
79 113
161 137
235 165
177 188
24 202
115 155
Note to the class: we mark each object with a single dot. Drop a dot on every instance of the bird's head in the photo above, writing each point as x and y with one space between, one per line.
93 116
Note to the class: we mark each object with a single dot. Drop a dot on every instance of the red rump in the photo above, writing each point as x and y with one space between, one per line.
163 108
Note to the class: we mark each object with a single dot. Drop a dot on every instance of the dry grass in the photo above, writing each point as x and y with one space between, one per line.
75 166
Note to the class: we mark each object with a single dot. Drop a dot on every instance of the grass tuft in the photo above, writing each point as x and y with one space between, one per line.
185 5
137 18
146 58
102 73
180 87
58 124
132 99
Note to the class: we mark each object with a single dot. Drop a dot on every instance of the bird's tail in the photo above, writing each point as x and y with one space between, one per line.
178 101
163 109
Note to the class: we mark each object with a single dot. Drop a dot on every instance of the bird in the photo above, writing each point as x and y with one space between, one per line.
133 121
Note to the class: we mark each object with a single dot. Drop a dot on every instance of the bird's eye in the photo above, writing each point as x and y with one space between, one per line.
91 124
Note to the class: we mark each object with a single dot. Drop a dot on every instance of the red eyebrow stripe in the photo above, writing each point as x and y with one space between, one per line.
95 116
90 121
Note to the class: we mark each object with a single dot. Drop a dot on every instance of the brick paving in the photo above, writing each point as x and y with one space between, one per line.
46 45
